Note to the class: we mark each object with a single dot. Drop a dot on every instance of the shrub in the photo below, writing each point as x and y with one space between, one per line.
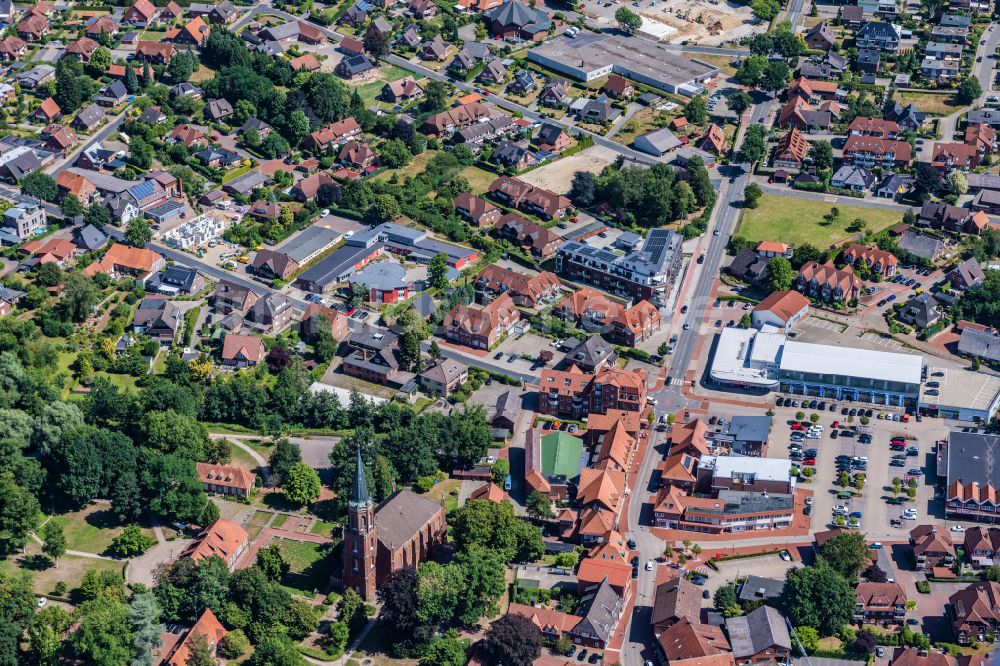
923 587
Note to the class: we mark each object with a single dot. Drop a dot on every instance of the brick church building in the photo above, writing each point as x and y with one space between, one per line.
400 532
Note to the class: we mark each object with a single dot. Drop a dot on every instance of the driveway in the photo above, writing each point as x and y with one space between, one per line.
142 568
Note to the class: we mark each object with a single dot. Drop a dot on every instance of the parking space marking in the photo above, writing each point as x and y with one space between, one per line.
888 343
826 324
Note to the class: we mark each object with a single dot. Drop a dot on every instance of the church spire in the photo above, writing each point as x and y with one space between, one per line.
360 495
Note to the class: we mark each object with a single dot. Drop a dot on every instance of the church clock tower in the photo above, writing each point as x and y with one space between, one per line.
360 539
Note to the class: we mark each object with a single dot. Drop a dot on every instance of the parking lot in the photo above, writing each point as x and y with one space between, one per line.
766 566
876 513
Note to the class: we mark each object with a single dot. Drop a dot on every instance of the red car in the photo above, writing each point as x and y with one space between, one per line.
835 424
809 461
798 426
898 438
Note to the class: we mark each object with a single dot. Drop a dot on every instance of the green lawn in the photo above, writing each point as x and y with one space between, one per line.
90 530
799 221
257 522
44 576
279 520
126 382
309 566
322 528
479 179
416 165
937 103
241 458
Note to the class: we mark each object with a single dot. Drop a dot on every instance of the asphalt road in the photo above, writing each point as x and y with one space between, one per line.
639 637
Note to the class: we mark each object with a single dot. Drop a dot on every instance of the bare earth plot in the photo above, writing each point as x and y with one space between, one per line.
558 175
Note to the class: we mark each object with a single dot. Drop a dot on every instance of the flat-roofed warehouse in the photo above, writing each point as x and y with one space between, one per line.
885 378
590 56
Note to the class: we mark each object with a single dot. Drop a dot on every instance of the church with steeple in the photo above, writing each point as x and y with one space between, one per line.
400 532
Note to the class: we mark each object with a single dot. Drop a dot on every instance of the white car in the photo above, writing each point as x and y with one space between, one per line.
956 528
649 565
42 601
809 501
785 556
324 212
840 509
816 427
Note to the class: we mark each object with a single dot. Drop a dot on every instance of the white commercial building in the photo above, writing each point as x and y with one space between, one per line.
764 359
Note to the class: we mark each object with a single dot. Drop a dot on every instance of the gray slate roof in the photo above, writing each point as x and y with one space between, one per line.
755 632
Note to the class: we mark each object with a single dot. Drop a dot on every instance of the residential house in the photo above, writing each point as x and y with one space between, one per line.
185 89
470 56
920 311
894 186
878 35
677 599
224 539
12 48
270 314
907 117
619 87
932 547
875 127
514 156
948 157
207 627
177 280
242 351
529 291
81 49
868 60
336 320
354 66
538 240
880 603
821 37
373 355
157 53
103 25
494 72
966 275
32 28
879 262
592 354
189 136
308 187
714 140
231 297
760 636
522 83
23 220
598 110
601 609
225 479
853 178
357 154
444 377
332 136
477 210
827 282
47 112
273 265
122 260
771 249
140 14
782 309
435 49
791 151
158 318
194 32
404 89
481 328
553 138
798 113
218 109
690 643
870 151
975 611
533 200
112 94
421 9
556 94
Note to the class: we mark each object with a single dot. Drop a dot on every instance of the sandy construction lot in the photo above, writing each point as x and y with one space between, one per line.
558 175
